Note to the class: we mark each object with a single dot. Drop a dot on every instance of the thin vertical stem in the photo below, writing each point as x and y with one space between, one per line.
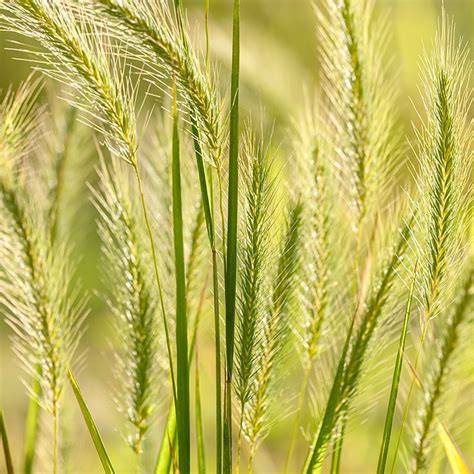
232 219
301 399
6 445
395 382
424 331
55 436
32 424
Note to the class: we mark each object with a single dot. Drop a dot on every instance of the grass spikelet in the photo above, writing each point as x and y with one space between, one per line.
352 48
317 252
85 64
19 117
62 156
275 329
433 393
314 287
255 253
35 290
444 159
163 44
132 303
444 151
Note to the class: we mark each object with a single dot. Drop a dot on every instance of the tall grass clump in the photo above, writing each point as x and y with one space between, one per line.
43 310
258 282
351 364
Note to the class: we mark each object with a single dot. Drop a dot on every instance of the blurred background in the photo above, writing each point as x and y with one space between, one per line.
279 63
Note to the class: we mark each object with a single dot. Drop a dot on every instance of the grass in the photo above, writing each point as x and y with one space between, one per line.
295 267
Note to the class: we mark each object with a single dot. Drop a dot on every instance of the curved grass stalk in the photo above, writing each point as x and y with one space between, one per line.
426 417
19 117
171 50
336 410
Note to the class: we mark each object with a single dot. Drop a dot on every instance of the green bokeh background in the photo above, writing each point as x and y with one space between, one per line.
279 61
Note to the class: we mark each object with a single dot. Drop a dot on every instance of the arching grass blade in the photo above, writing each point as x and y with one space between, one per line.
91 426
316 455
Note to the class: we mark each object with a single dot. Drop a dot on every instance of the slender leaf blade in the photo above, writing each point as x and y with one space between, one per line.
455 457
163 462
91 426
395 382
182 406
316 453
232 219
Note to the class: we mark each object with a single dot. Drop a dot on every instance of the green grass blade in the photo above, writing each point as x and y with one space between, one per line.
395 383
232 218
182 376
453 453
6 445
199 426
32 425
316 454
337 451
163 463
91 426
202 180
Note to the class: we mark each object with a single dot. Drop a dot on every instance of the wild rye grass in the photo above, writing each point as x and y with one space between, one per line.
315 266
